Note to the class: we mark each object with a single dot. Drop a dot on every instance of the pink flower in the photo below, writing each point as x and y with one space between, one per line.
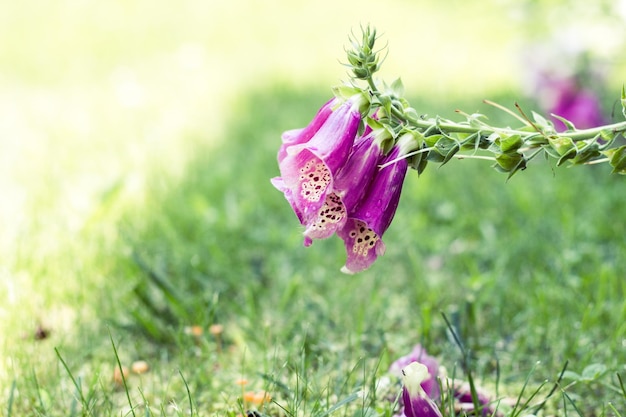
416 402
578 105
349 187
298 136
365 226
309 163
418 354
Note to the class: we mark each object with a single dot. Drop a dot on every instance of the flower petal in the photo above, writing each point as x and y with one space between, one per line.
280 186
419 354
349 186
308 168
416 402
365 226
298 136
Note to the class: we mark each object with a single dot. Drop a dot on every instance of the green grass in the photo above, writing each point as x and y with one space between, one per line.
526 271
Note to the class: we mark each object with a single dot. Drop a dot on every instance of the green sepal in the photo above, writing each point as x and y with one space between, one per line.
397 88
567 123
562 145
411 113
510 162
617 159
419 161
587 151
373 123
509 143
431 140
385 101
344 91
543 123
475 119
447 147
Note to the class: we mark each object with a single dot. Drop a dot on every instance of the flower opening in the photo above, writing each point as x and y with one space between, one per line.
349 187
308 168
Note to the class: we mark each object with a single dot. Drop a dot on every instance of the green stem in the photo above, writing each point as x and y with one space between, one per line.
452 127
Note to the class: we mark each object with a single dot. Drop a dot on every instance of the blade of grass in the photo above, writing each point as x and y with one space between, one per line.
466 365
617 413
554 388
119 364
569 399
83 401
163 314
170 293
621 384
348 399
147 412
516 410
188 393
11 398
37 390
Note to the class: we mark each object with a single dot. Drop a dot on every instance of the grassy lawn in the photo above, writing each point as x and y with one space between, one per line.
139 227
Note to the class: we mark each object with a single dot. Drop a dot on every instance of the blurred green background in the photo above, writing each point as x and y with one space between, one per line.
141 126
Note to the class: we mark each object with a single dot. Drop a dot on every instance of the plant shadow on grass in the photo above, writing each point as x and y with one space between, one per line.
527 270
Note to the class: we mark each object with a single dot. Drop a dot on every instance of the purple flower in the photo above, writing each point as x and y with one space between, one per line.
418 354
578 105
308 166
298 136
365 226
349 186
416 402
464 402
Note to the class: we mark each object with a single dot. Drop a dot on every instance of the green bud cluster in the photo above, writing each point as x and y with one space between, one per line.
363 60
438 140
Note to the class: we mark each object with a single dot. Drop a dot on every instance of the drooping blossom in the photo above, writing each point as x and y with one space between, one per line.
364 228
416 402
350 184
308 166
430 385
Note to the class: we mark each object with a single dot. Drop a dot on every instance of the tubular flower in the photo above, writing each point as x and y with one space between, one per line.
298 136
349 187
416 402
308 168
364 228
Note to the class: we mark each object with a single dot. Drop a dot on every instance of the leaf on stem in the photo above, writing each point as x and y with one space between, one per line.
617 159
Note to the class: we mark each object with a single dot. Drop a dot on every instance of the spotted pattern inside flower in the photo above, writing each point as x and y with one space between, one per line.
331 213
314 179
364 238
